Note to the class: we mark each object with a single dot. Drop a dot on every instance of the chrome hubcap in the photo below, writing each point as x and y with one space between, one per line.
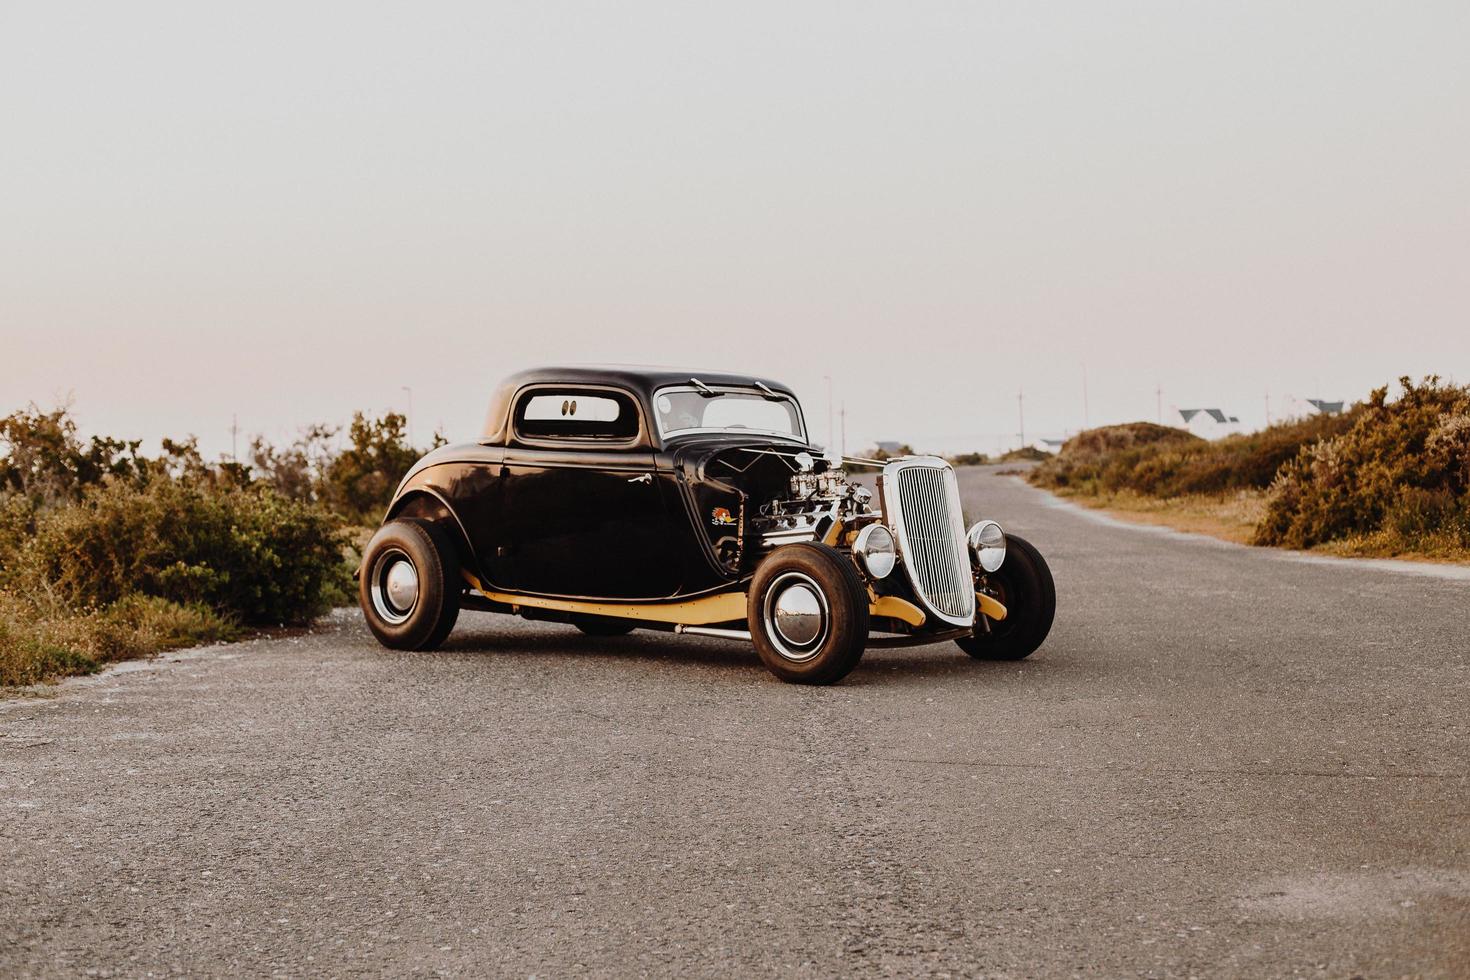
394 586
796 616
403 585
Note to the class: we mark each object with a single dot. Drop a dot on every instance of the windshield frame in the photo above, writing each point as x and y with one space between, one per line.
747 390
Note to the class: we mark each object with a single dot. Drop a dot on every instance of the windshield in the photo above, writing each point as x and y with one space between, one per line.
682 410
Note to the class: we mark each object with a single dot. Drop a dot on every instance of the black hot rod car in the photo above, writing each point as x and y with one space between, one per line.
618 498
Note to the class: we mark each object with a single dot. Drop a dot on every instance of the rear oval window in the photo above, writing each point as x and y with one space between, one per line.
573 414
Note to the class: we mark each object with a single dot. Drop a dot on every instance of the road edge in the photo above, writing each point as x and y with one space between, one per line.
1399 566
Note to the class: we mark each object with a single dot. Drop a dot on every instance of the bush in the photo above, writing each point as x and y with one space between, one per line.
105 553
298 470
359 482
1401 469
247 553
1158 461
1387 477
1109 458
43 460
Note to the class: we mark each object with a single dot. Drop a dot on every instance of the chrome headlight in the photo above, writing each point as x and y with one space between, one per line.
875 550
987 545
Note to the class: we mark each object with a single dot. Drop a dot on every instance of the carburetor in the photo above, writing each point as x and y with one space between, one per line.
829 485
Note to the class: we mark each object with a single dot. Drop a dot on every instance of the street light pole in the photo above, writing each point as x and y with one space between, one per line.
1021 414
828 378
409 390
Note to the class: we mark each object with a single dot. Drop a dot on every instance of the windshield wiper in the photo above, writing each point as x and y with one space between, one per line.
705 390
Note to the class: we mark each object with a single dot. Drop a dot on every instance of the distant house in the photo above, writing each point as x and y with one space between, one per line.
1209 423
1052 446
1325 408
891 448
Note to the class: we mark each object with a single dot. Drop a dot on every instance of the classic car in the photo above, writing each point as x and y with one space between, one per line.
619 498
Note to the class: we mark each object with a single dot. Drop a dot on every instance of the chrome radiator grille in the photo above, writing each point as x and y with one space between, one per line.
923 501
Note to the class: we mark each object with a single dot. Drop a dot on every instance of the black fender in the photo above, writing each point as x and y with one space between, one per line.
427 504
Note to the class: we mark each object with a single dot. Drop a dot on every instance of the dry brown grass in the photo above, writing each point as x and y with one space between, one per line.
1390 478
1234 517
1446 549
42 639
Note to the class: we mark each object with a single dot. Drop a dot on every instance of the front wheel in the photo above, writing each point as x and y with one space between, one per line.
1022 584
808 614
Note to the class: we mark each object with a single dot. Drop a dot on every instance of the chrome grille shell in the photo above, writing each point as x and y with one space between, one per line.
921 504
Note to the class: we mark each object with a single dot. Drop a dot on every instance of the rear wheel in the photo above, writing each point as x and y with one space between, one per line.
410 586
808 614
1023 584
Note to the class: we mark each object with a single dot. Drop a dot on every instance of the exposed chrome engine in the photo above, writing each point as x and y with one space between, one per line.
817 501
759 498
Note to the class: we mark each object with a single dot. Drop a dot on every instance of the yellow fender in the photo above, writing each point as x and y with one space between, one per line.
992 609
896 608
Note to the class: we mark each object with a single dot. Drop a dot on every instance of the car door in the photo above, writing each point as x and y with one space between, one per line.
585 514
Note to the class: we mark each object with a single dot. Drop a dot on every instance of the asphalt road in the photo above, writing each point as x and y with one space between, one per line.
1224 762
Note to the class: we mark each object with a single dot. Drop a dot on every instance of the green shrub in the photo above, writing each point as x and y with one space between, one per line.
359 482
247 553
43 459
106 554
1403 468
296 471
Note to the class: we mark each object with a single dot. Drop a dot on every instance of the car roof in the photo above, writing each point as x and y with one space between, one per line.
642 381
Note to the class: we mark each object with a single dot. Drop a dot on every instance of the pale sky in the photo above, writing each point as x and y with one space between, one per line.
288 211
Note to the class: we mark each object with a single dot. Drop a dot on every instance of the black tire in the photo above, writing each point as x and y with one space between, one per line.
831 583
603 625
428 620
1025 587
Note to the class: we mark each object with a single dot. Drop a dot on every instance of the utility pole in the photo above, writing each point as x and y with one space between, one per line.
410 413
1021 414
1159 394
234 438
842 415
828 378
1268 410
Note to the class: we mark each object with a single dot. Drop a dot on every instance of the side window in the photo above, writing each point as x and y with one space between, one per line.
572 414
